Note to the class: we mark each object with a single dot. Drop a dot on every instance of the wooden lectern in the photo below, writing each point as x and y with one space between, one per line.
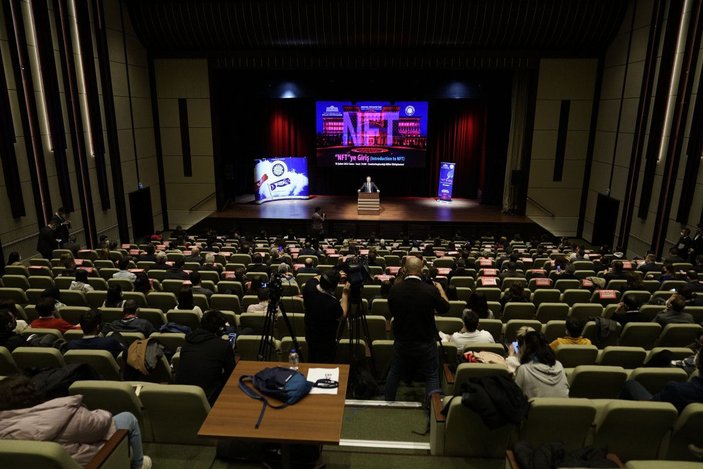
369 203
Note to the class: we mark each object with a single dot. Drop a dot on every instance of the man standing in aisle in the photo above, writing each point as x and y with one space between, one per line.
413 303
318 219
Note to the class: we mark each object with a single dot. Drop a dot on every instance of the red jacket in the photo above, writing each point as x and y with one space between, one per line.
53 323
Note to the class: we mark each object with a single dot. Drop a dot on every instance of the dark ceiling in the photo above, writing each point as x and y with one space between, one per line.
376 33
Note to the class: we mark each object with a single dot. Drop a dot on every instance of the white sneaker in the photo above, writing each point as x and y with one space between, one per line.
146 463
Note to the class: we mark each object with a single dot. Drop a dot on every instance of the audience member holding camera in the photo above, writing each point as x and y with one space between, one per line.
413 303
323 311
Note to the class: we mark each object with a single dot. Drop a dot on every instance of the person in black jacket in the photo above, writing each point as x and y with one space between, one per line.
46 241
207 360
8 337
413 303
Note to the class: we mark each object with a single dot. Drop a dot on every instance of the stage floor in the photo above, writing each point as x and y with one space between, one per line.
393 209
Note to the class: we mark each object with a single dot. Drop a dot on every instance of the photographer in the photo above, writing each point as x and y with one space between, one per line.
413 302
322 314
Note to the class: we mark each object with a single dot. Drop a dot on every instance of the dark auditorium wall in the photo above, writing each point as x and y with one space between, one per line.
19 234
626 116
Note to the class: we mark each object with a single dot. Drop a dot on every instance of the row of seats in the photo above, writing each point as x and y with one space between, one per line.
631 430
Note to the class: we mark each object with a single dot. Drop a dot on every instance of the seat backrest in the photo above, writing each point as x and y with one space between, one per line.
466 435
572 356
8 367
585 311
640 334
654 379
101 361
619 418
26 453
179 427
546 421
518 311
226 302
678 335
448 325
597 382
687 430
552 312
545 295
466 371
37 357
184 317
512 327
162 300
573 295
626 357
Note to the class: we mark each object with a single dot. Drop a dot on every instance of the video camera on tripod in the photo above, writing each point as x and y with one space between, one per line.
357 271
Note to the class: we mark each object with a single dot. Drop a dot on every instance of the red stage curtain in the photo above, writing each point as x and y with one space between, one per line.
457 134
288 129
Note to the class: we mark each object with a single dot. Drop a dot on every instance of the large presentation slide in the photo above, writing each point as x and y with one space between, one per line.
371 133
281 178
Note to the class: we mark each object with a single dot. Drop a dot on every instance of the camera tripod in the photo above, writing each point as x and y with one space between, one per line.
266 343
358 328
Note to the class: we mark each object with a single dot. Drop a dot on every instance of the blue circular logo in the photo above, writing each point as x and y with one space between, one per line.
278 169
409 110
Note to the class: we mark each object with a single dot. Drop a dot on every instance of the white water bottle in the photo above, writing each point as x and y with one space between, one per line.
293 359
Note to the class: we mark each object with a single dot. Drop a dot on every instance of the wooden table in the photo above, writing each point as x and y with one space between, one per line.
316 419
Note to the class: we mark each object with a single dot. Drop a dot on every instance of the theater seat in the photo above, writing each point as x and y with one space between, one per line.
552 312
37 357
176 427
225 302
568 420
185 317
466 371
8 366
572 356
101 361
687 430
654 379
678 335
463 434
50 455
633 429
640 334
597 382
626 357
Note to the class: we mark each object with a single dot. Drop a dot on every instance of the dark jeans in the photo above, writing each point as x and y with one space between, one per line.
634 391
321 352
413 360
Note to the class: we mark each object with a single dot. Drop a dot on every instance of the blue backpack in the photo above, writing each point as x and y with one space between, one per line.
286 385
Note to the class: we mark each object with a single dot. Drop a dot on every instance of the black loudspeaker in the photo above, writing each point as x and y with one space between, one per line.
517 177
606 219
142 216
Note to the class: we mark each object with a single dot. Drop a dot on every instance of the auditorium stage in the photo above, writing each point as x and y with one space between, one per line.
398 215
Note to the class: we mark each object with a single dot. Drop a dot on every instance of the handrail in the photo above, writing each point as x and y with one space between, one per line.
540 206
202 201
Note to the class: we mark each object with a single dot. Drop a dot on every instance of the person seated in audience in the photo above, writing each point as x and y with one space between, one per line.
308 267
69 266
516 294
129 321
206 358
698 262
308 250
675 256
48 316
195 255
287 278
124 272
149 254
372 258
257 264
628 310
72 245
574 329
55 294
9 338
198 289
114 297
668 272
383 291
210 264
516 348
616 272
459 270
451 292
511 271
650 265
186 302
428 251
176 272
91 322
688 294
679 394
26 415
161 262
14 258
142 283
274 256
540 374
81 282
674 312
478 303
469 334
579 254
179 232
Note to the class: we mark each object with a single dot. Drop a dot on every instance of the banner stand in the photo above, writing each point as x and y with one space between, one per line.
446 181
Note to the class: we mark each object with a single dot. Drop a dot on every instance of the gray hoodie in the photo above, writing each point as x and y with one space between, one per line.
540 380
